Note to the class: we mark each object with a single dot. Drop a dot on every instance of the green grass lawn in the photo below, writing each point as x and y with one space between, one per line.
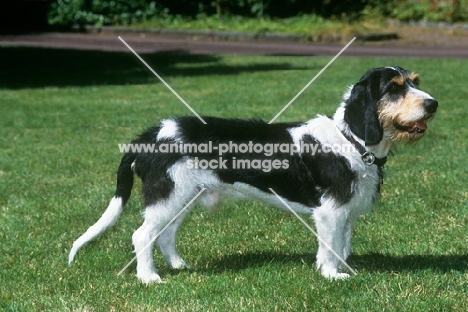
63 114
312 27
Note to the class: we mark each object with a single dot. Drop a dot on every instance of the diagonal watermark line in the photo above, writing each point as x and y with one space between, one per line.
162 80
162 230
313 232
313 79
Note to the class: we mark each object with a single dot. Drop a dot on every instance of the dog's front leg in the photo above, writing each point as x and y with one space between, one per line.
333 231
347 237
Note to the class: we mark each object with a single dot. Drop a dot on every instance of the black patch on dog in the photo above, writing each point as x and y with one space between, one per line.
152 168
307 178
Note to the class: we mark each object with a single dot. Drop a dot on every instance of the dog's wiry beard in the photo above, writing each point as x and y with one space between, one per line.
403 122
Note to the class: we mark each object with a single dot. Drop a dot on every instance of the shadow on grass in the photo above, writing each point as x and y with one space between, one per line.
27 67
369 262
376 262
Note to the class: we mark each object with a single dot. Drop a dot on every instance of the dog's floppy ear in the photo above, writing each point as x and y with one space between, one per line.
361 110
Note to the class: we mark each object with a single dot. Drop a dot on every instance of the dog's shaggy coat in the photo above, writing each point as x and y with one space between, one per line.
334 187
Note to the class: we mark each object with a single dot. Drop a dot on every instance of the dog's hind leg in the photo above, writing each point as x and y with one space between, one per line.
157 216
143 241
166 243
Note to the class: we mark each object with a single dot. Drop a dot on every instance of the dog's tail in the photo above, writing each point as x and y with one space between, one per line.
115 208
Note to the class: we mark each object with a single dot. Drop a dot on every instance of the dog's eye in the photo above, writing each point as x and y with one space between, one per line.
394 87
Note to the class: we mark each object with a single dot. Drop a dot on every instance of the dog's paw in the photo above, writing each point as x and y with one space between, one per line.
338 276
180 265
176 262
332 273
150 278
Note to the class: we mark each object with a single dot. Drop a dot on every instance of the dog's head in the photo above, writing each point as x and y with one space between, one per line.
387 100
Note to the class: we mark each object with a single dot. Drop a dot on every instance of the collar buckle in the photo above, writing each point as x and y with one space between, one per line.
368 158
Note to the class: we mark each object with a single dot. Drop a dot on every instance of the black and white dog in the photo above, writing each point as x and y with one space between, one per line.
333 184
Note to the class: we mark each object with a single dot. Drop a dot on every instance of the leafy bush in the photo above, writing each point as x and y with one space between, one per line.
425 10
100 12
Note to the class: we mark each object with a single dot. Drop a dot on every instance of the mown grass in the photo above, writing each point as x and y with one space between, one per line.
312 27
63 114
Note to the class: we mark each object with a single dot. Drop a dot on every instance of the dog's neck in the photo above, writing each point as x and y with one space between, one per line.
380 150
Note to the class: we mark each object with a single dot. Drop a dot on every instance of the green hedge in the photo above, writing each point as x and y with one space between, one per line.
425 10
118 12
100 12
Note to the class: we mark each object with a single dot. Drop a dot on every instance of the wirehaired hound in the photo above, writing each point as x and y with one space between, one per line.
332 185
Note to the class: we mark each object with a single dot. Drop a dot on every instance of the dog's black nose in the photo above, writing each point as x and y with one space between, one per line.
431 106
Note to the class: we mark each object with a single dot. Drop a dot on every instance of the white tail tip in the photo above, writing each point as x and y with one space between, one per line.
108 219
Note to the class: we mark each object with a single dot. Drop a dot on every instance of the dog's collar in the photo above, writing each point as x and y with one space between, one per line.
367 157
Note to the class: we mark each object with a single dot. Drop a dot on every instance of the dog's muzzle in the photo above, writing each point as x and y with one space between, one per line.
420 126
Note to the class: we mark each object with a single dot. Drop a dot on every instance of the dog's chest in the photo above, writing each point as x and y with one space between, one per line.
367 188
